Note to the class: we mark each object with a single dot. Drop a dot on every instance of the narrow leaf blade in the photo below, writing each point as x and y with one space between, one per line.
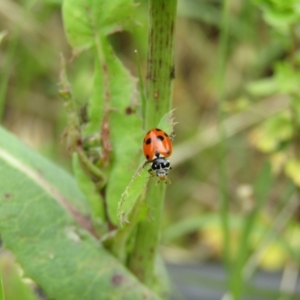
131 194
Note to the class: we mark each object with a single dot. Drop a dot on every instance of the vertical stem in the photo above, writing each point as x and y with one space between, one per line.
1 289
222 134
160 72
222 167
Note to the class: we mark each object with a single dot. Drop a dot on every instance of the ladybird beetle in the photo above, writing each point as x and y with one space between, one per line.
157 146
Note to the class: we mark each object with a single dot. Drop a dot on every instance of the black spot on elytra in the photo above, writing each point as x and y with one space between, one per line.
148 157
160 138
166 135
157 129
148 141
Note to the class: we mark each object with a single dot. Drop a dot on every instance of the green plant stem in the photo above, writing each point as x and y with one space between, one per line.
160 72
1 289
261 187
222 149
160 65
142 90
223 193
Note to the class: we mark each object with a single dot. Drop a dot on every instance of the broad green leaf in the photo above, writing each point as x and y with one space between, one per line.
85 19
44 221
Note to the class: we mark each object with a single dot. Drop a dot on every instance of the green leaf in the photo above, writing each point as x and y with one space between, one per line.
95 108
44 221
167 122
112 108
131 194
125 128
280 14
274 133
2 35
292 170
282 19
14 286
287 78
85 19
87 186
263 87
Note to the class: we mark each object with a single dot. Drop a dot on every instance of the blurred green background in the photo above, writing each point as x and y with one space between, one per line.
253 100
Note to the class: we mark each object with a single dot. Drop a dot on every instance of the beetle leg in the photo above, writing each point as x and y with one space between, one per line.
146 163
